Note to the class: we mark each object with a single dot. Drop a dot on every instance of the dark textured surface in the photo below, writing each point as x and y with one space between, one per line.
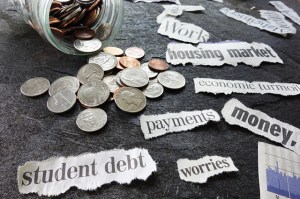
28 131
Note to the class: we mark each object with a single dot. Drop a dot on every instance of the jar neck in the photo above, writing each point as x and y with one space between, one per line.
36 13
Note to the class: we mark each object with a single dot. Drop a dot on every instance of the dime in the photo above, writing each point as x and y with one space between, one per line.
111 82
88 46
153 90
129 62
171 79
150 73
61 101
113 50
130 100
134 77
105 60
84 34
66 82
90 72
135 52
105 30
35 86
91 120
93 94
158 65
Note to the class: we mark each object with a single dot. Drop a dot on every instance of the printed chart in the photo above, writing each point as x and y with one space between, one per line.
279 172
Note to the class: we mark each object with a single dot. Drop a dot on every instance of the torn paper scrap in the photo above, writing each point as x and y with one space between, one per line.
237 86
185 8
279 172
252 21
164 16
172 11
200 170
236 113
156 1
289 12
87 171
217 54
158 125
220 1
183 31
278 19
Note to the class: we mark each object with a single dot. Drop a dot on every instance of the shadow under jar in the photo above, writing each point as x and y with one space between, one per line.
58 20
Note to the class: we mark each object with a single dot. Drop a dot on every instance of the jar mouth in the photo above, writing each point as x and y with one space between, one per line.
110 13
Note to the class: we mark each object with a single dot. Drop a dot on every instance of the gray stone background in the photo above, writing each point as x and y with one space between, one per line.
28 131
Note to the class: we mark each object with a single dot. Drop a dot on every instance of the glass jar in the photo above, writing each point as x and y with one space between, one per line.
37 14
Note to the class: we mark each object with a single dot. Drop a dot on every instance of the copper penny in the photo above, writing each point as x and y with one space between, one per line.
80 17
84 34
129 62
90 18
113 50
54 21
56 4
158 65
94 5
119 65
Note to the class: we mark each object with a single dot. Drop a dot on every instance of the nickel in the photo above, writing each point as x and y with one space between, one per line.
130 100
67 82
35 86
135 52
134 77
93 94
90 72
105 60
153 90
61 101
88 46
171 79
91 120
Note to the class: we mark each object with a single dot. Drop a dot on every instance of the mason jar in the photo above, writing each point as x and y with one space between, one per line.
36 13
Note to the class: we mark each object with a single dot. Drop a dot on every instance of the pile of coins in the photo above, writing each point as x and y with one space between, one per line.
107 77
76 19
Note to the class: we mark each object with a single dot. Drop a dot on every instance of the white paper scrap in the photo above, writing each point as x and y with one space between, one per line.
158 125
289 12
87 171
156 1
237 86
252 21
217 54
236 113
164 16
183 31
200 170
185 8
279 172
172 11
278 19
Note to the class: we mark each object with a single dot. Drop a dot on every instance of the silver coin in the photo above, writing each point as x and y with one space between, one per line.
105 30
90 72
134 77
88 46
91 120
135 52
153 90
105 60
35 87
111 82
130 100
171 79
93 94
153 80
118 79
61 101
150 73
66 82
